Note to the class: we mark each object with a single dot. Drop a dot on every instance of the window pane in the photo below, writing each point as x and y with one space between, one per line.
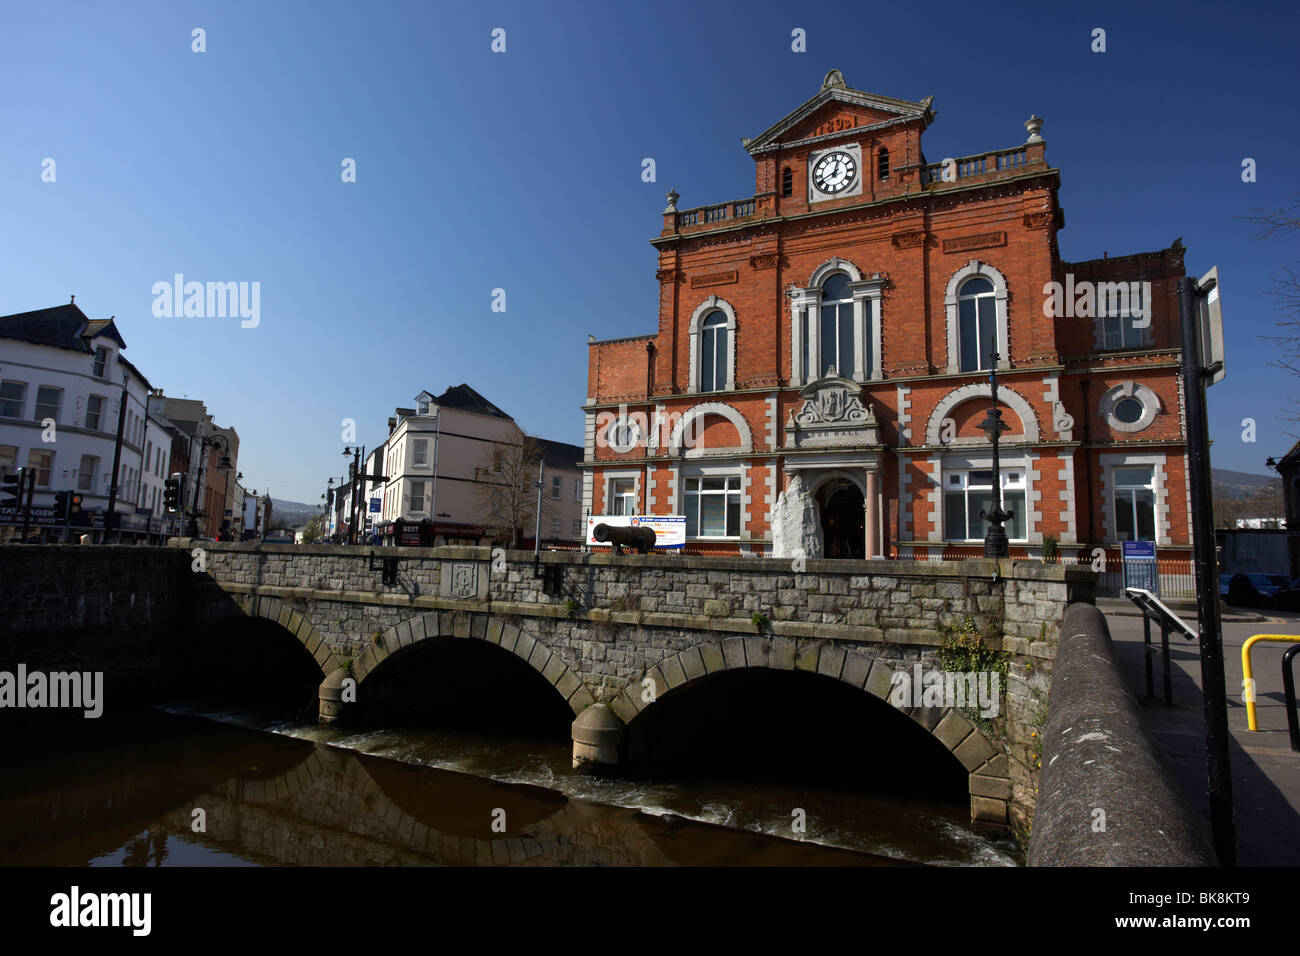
976 286
829 341
733 515
979 501
988 332
715 484
954 515
692 514
868 345
1014 501
968 343
1124 515
1140 477
1114 336
981 479
47 402
94 405
803 338
720 351
1145 505
712 515
836 288
846 356
707 362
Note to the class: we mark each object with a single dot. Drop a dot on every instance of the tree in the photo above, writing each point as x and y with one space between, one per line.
1266 503
1287 292
314 530
507 490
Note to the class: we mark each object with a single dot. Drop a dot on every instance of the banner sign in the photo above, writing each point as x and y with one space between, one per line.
670 530
374 506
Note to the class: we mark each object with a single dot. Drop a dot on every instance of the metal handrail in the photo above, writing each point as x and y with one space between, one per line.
1248 677
1153 609
1288 693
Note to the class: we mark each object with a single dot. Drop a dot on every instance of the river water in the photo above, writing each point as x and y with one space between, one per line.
193 783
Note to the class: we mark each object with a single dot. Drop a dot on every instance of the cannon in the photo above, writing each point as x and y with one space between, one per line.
640 537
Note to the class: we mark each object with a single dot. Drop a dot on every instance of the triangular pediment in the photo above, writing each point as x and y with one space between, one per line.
836 108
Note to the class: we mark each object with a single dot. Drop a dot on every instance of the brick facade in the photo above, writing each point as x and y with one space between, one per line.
910 239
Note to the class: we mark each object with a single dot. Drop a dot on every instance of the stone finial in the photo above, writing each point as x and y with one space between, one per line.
834 81
672 201
1034 124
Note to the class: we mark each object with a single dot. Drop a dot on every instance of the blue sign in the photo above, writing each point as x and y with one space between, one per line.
374 506
1138 549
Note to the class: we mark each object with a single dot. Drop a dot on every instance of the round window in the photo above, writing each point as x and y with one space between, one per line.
1129 410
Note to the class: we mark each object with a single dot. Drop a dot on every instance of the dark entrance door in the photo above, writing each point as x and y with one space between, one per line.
843 521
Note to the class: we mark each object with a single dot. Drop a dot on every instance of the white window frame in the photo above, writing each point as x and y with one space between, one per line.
702 312
976 268
1015 477
99 363
616 499
981 318
726 493
21 400
58 405
419 449
805 324
417 496
1127 489
557 487
1110 315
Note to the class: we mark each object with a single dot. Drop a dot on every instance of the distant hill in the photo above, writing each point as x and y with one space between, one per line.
294 513
1238 484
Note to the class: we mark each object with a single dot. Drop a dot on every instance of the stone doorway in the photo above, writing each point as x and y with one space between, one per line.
843 520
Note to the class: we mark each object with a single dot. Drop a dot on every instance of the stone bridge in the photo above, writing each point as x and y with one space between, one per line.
615 635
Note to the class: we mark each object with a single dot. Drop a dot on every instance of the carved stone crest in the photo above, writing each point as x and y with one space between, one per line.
464 580
832 414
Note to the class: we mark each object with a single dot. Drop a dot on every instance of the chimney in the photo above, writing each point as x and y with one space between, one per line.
73 301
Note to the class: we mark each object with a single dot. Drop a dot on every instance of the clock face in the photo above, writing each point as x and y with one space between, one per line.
835 172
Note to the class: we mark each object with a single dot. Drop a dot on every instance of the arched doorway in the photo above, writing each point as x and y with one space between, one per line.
843 520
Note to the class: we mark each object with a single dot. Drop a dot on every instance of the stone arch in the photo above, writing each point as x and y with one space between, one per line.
711 408
983 270
832 265
477 626
697 320
273 609
870 674
824 477
1006 395
1151 406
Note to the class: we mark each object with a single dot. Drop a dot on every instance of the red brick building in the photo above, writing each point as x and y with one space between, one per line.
821 363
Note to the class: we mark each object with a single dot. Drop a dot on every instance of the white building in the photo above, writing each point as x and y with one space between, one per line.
63 384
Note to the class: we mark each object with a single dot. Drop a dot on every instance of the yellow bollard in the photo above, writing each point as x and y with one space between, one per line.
1248 680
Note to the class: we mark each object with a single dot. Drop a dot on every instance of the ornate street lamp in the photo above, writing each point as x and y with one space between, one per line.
995 537
224 465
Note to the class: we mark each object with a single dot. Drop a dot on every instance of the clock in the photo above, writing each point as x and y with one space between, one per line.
835 172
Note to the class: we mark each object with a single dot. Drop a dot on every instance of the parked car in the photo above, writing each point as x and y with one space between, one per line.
1288 599
1256 589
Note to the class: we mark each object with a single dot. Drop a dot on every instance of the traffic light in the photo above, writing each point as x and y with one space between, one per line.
172 493
75 508
61 503
11 490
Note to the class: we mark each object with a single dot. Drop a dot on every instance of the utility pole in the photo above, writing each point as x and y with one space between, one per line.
1215 701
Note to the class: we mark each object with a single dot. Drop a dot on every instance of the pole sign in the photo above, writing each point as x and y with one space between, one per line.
1140 565
374 506
670 530
1210 319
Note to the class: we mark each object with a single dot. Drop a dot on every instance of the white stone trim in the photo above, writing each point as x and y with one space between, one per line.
1062 421
769 499
745 499
905 513
936 499
1109 524
1112 396
1033 499
609 476
711 408
904 414
982 269
771 422
1065 474
1006 395
697 321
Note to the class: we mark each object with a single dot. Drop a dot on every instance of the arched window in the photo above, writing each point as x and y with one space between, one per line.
977 324
882 164
836 332
787 181
714 351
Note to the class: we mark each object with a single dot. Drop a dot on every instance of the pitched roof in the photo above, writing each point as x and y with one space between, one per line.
835 89
1291 459
61 327
466 399
558 454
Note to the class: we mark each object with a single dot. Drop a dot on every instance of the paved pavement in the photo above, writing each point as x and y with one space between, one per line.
1265 771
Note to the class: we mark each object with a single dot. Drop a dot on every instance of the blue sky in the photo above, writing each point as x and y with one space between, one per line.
522 170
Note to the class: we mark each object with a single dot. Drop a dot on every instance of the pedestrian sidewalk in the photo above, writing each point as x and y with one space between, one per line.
1265 771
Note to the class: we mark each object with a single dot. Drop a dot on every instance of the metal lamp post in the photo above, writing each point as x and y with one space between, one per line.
223 465
995 536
